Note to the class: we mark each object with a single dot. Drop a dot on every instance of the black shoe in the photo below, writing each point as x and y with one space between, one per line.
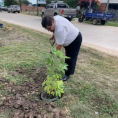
64 78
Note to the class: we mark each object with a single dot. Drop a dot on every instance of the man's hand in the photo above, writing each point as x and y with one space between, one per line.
52 37
58 47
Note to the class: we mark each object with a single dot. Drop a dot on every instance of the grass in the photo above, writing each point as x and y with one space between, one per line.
108 23
90 93
34 13
112 23
5 114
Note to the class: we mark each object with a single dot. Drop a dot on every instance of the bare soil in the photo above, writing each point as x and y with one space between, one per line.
24 100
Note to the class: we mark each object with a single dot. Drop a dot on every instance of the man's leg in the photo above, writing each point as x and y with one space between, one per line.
72 51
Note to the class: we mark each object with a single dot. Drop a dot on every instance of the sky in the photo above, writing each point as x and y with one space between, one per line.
33 1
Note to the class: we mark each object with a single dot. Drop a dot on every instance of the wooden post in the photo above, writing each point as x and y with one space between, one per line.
20 5
37 9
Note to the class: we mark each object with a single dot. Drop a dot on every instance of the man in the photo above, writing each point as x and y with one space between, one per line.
67 36
78 11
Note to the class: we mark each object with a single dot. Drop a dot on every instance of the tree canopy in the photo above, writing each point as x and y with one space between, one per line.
85 3
71 3
15 2
10 2
25 2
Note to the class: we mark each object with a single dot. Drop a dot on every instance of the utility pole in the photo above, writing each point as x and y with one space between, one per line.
20 5
37 9
90 5
107 6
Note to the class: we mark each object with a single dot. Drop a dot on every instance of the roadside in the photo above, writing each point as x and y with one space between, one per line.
33 13
104 37
102 49
108 23
91 92
99 37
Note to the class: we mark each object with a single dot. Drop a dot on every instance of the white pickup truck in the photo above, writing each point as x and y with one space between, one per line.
59 8
13 9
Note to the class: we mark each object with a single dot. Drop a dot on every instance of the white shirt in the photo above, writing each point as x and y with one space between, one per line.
65 32
78 8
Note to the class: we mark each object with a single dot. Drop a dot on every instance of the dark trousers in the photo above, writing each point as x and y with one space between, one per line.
72 51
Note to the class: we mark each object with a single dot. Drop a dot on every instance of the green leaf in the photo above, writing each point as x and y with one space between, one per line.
55 67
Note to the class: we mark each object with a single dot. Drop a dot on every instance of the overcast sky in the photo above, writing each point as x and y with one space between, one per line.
33 1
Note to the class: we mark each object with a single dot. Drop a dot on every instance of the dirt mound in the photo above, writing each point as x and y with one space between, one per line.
23 100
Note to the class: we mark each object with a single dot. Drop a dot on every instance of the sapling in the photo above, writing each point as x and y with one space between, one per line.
55 68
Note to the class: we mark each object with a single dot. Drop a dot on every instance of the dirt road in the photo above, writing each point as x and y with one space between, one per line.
103 38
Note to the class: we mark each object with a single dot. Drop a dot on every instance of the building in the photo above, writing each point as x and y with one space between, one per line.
113 4
112 8
110 1
41 1
1 3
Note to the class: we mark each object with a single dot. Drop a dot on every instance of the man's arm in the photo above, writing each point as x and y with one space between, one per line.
58 47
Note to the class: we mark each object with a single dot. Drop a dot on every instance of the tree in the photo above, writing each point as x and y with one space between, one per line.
89 4
20 4
71 3
48 1
15 2
53 86
10 2
25 2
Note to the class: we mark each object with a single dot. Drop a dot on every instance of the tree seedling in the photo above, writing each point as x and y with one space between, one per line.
55 68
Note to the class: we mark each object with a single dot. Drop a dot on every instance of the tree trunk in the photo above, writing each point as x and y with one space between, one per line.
20 5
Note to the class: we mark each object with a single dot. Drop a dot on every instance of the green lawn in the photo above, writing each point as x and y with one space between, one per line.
92 92
112 23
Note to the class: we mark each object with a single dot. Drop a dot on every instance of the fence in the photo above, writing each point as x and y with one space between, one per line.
31 9
115 13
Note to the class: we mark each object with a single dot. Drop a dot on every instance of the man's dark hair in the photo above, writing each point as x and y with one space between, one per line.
47 21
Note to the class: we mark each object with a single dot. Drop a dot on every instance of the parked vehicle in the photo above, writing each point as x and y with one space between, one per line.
3 8
59 8
13 9
96 17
